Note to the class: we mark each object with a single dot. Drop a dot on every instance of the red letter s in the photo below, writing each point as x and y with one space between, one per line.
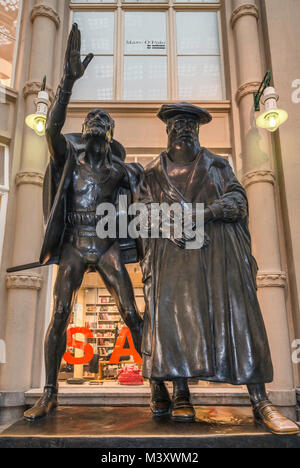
85 347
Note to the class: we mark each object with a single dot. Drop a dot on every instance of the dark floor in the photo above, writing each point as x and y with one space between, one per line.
133 427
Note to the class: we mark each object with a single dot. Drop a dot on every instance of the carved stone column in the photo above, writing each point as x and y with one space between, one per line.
259 181
23 288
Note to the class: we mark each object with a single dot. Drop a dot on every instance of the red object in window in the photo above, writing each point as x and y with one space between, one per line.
130 376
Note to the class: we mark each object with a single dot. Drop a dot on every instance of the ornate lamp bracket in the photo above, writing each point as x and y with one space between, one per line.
258 94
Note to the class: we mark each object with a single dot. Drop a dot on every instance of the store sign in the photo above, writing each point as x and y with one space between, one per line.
145 46
88 352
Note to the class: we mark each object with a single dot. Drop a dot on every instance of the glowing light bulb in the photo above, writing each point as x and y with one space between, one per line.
272 118
40 127
37 121
272 122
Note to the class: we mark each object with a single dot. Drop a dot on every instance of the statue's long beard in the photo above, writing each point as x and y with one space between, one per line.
93 132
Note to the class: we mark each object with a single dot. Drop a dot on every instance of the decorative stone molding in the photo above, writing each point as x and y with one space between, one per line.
245 89
34 87
44 10
32 178
257 177
248 9
271 280
24 282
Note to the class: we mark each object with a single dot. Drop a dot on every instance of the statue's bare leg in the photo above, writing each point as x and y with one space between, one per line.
68 281
117 280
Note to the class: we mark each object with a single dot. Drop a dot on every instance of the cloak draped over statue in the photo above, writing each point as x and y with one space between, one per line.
56 183
202 317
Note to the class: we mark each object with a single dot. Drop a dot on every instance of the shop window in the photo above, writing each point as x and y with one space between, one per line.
4 187
96 311
9 14
164 52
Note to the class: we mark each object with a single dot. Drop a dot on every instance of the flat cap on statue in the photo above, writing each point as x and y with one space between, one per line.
168 111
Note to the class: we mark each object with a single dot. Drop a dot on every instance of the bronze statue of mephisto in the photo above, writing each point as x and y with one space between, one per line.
85 170
202 319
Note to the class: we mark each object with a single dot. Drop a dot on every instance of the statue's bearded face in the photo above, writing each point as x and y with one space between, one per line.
98 124
182 130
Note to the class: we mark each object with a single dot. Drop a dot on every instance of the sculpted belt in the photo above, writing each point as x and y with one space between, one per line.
81 224
82 218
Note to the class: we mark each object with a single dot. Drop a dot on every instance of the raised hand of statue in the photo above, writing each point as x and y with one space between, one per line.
74 68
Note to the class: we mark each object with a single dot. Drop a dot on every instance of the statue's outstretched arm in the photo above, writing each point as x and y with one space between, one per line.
73 70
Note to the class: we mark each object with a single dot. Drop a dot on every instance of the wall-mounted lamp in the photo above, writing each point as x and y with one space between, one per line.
273 117
37 121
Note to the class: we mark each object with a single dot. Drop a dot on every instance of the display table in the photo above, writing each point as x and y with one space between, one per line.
133 427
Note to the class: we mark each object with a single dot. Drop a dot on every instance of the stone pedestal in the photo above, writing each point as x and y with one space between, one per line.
132 428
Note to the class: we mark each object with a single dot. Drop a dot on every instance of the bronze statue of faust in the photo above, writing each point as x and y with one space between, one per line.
85 170
202 319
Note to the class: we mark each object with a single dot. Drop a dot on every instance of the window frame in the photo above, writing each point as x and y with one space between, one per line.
16 47
171 7
4 190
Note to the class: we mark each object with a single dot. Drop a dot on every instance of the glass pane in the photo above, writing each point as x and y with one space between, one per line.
6 58
93 1
97 82
197 1
145 33
9 10
97 31
145 1
197 33
199 78
145 78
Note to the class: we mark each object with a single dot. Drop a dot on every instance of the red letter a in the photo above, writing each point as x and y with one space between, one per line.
119 349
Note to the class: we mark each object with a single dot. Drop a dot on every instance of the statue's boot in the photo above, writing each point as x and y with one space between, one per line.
160 402
182 408
44 406
269 417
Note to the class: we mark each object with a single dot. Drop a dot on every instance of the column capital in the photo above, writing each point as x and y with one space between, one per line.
32 178
34 87
24 282
245 89
248 9
271 279
257 177
45 10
